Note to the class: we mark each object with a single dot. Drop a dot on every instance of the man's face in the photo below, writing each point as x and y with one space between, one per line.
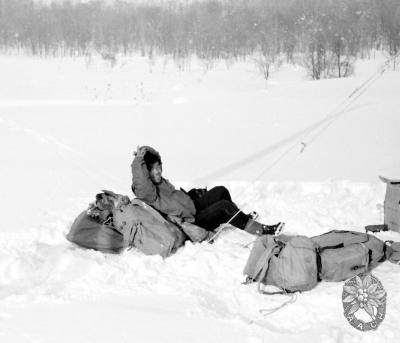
156 173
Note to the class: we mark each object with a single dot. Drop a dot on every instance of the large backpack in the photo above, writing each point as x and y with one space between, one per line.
287 262
147 230
113 223
343 254
94 233
297 263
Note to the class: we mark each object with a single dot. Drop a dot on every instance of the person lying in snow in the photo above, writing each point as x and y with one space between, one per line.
207 209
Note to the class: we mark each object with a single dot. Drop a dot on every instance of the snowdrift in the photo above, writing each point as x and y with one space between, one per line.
200 283
68 130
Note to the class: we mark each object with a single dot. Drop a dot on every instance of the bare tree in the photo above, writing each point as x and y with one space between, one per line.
328 33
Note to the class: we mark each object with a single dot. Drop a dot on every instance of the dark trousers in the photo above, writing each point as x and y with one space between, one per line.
215 207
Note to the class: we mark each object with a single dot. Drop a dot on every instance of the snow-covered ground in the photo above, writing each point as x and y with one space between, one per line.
68 128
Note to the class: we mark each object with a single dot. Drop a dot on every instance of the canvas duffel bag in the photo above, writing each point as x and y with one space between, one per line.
343 254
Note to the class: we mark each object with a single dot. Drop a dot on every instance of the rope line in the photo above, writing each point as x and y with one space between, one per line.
332 117
267 311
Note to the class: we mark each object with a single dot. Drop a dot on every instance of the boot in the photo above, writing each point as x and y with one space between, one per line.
256 228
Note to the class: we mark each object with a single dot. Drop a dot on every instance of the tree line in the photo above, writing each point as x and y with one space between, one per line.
325 36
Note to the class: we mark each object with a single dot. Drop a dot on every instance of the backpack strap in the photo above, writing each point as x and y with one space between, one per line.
264 262
262 265
130 239
268 311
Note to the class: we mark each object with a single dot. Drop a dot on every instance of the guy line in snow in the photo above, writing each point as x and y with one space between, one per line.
319 127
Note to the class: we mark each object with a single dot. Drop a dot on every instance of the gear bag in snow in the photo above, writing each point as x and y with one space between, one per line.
344 254
113 223
91 233
287 262
297 263
147 230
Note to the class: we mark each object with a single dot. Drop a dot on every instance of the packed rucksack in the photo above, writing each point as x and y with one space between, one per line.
147 230
93 233
113 223
287 262
297 263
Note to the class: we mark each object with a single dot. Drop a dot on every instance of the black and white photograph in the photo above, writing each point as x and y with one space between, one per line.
205 171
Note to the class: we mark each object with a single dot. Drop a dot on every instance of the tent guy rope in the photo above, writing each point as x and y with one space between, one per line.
320 127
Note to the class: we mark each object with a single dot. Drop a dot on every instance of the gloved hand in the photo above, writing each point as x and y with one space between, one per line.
141 150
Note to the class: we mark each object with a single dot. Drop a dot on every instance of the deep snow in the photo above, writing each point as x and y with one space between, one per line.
68 128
